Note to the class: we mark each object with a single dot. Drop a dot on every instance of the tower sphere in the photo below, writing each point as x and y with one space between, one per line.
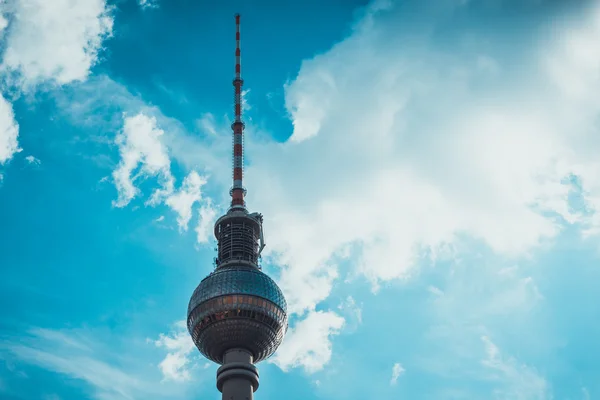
237 307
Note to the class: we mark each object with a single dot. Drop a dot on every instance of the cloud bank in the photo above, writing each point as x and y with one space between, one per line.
46 43
407 149
56 42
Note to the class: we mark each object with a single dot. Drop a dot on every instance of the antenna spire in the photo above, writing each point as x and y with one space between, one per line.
237 191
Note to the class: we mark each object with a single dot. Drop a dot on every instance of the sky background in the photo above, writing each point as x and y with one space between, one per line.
428 172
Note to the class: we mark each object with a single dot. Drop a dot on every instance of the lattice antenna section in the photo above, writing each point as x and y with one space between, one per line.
238 192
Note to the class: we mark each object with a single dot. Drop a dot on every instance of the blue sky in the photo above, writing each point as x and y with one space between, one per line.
427 170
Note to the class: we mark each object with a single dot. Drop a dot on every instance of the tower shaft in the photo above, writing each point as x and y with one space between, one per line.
237 378
238 192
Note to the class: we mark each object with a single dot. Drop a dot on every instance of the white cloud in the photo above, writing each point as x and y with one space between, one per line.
207 124
71 340
435 291
140 146
245 105
413 151
308 343
9 132
353 309
206 219
574 67
148 3
33 160
504 295
177 363
513 379
55 41
397 370
183 200
143 156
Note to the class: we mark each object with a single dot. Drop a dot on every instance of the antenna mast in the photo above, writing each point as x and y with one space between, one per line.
238 191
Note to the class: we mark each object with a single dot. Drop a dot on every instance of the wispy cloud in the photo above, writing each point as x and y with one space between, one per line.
90 356
69 353
480 300
585 393
245 104
33 160
352 309
308 343
514 380
435 291
177 364
397 370
183 200
207 124
145 4
206 219
109 381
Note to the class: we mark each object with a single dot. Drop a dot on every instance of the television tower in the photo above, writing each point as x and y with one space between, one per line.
237 316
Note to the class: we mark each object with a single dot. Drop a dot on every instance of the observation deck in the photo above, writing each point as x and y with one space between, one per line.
237 306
